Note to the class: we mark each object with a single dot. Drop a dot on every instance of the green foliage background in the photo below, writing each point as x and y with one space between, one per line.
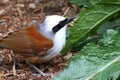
96 61
90 19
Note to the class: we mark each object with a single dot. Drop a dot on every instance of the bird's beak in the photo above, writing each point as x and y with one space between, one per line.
61 24
70 19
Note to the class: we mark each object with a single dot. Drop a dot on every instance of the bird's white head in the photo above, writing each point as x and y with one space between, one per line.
54 28
46 28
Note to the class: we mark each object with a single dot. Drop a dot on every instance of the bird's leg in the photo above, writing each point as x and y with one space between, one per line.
37 70
14 67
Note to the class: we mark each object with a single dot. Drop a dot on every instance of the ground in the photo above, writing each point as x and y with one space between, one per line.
19 14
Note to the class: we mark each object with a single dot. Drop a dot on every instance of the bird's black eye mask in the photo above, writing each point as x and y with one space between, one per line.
62 24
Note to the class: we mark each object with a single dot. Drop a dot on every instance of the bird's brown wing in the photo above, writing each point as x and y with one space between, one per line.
28 40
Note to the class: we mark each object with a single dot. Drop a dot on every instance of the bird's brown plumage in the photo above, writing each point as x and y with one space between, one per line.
28 42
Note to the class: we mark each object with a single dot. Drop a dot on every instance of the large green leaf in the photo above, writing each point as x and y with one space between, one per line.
89 20
111 24
95 61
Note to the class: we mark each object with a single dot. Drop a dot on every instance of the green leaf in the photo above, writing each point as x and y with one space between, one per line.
95 62
111 24
102 29
115 76
90 19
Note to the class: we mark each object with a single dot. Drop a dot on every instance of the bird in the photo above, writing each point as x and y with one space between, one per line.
39 44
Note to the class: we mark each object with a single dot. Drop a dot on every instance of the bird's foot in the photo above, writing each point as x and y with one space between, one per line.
40 73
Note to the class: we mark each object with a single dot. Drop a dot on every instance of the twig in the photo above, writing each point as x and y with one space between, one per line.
66 11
